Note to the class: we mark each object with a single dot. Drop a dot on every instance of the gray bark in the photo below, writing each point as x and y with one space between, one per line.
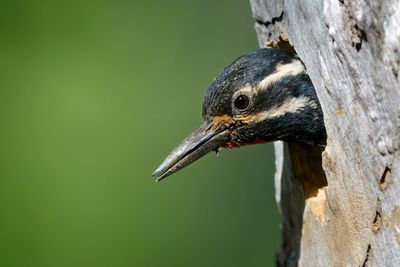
344 211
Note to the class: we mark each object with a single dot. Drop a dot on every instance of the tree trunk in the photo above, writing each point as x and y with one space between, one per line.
341 209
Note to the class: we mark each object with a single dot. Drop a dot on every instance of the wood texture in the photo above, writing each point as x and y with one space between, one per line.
352 53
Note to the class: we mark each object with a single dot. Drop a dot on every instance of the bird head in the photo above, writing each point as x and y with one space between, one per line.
261 97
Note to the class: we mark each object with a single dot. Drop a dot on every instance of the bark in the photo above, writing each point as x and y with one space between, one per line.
341 207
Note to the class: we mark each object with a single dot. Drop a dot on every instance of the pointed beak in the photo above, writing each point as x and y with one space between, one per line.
201 141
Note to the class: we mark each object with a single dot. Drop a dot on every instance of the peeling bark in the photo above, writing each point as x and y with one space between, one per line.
345 210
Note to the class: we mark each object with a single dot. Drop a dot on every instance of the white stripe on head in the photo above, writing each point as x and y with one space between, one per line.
293 68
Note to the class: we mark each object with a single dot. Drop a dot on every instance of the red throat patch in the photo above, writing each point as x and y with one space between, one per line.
235 144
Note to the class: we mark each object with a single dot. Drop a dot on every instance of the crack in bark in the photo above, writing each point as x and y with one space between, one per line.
276 33
385 178
376 224
367 256
357 35
273 20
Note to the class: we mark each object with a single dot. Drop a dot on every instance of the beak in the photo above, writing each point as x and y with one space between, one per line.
201 141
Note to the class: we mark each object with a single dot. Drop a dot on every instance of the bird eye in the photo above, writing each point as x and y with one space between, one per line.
242 102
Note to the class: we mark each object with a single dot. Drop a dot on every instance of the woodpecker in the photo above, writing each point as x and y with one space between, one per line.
260 97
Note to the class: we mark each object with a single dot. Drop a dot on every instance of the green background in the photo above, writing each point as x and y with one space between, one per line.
94 94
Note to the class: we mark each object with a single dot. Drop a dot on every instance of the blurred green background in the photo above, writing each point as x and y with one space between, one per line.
94 94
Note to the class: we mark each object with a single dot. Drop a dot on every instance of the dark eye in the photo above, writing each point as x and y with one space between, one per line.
242 102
